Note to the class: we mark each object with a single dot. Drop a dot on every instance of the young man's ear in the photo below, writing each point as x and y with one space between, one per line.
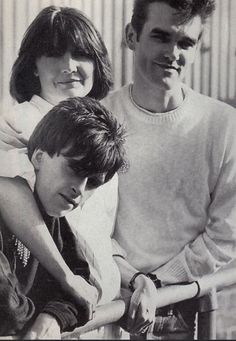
36 158
130 36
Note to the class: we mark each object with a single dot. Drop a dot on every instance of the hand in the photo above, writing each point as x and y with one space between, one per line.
10 136
84 293
142 306
45 327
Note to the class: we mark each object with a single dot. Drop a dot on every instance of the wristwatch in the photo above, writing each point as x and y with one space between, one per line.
155 280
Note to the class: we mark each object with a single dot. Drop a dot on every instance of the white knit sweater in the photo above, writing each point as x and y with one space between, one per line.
177 201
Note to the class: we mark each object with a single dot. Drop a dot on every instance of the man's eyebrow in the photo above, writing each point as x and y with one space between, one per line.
157 30
166 34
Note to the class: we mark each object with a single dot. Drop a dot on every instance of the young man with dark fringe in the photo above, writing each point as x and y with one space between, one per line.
74 149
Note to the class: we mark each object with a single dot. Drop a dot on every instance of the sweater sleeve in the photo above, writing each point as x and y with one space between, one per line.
15 308
66 313
216 246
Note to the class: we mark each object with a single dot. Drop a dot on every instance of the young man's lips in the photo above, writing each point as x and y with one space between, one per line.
69 200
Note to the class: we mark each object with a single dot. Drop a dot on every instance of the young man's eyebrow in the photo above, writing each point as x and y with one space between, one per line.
190 40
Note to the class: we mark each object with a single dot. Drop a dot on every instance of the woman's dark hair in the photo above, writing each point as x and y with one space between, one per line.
82 128
54 31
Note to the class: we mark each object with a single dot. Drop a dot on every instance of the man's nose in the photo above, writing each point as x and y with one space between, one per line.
172 52
80 187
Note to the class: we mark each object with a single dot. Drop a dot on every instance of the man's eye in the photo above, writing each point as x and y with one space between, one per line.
161 38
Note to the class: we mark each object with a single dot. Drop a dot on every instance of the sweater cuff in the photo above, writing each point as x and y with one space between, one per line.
65 314
174 271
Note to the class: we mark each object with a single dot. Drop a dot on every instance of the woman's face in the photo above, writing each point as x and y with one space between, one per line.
65 76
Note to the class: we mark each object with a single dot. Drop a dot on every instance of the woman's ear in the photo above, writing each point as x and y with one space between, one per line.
131 36
36 158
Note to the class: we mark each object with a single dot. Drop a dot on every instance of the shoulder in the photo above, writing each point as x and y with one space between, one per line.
117 101
12 186
211 105
24 116
217 113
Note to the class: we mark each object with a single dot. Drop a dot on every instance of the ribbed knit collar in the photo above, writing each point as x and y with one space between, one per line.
157 118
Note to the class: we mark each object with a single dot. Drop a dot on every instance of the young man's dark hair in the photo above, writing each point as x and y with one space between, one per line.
186 9
81 127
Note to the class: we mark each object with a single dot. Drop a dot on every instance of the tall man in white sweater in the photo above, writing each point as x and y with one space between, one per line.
177 202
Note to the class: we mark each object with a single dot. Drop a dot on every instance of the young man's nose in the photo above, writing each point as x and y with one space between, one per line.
80 187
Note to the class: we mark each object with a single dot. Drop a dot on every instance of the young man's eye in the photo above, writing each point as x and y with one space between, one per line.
94 182
185 45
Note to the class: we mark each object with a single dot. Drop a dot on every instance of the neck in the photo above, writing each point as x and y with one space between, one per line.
157 100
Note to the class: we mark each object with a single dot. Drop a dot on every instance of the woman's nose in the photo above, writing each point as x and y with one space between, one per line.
69 65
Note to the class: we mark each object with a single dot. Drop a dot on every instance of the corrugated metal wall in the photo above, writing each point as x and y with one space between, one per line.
214 73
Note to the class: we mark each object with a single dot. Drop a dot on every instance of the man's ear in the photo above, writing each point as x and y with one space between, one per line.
131 36
36 158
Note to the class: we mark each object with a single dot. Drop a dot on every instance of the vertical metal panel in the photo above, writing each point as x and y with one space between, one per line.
127 53
206 60
117 46
232 52
214 72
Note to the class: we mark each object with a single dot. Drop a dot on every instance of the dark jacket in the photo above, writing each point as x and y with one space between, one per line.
26 291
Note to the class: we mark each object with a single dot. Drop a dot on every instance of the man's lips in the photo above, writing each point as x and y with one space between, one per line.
168 66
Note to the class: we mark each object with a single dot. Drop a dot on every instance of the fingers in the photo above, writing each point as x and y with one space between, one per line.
141 314
143 321
90 311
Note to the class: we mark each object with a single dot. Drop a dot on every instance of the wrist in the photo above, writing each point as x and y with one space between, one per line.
156 281
139 278
134 280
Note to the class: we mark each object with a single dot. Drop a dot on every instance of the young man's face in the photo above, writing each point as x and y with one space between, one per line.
165 48
59 186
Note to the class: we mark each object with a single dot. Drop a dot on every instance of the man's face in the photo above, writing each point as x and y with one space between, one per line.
165 48
58 184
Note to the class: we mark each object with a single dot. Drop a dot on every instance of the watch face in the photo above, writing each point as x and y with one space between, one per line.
155 280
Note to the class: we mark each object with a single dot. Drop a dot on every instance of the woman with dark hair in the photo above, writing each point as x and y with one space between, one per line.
61 55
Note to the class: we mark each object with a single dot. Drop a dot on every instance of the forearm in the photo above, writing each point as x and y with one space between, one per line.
127 271
201 257
21 214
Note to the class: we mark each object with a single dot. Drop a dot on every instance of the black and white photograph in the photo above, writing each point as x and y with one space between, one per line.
118 169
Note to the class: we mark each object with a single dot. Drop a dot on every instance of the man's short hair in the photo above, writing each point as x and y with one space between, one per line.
82 127
186 9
